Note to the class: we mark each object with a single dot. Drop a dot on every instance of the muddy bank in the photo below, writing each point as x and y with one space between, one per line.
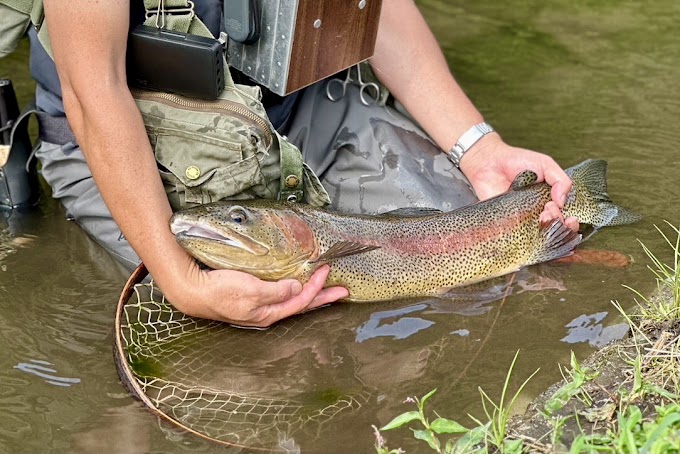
641 370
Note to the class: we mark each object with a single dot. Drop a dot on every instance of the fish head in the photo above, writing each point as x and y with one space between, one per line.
270 241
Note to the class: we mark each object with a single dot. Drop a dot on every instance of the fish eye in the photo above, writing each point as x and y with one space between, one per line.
238 214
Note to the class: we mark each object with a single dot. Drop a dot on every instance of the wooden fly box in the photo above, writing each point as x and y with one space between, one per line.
304 41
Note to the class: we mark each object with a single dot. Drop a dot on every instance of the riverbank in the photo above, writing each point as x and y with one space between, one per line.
623 398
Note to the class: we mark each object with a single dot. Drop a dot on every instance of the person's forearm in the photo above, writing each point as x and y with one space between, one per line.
409 62
109 127
113 139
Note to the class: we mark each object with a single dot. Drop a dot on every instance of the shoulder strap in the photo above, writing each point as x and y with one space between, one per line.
175 15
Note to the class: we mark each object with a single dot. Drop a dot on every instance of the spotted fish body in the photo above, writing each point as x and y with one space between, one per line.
401 254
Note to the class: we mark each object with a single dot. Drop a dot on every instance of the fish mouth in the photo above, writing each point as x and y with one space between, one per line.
205 233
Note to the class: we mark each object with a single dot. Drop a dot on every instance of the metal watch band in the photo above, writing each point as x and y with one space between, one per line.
467 140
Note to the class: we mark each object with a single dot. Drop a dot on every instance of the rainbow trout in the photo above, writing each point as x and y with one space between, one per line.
404 253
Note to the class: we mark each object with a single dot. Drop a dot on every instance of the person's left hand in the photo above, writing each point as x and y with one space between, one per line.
492 165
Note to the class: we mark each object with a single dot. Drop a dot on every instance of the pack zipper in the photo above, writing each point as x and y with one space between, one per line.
208 106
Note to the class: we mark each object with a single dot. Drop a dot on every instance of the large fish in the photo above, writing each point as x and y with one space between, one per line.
401 254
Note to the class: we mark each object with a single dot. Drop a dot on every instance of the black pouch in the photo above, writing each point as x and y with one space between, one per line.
175 62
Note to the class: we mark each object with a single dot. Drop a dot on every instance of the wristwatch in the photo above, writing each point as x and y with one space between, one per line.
467 140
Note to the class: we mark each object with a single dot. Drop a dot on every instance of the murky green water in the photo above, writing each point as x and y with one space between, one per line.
578 80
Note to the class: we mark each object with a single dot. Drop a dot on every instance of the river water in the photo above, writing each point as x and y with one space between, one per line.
577 80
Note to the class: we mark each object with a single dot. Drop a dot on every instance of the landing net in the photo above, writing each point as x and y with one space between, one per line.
172 362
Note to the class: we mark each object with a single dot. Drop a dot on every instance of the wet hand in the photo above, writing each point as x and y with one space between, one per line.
244 300
492 165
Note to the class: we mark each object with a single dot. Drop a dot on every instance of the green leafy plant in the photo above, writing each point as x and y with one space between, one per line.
636 434
475 440
430 431
575 378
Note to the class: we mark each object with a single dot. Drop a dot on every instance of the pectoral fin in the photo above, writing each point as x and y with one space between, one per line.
344 249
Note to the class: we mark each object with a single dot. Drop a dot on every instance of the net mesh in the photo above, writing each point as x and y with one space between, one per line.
198 374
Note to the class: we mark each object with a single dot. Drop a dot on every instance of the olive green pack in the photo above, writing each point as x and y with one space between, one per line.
227 148
15 18
206 150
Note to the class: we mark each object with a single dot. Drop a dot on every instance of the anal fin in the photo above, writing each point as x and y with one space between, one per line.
559 241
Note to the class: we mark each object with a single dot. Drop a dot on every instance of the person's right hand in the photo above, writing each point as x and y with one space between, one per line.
244 300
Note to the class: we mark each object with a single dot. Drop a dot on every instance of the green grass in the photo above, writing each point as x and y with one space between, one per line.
574 379
667 280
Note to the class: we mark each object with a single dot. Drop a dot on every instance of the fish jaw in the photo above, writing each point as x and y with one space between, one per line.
219 249
188 231
260 246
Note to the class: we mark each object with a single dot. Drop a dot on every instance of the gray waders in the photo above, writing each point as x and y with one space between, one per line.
370 159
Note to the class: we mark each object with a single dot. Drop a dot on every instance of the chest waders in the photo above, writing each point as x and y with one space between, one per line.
206 151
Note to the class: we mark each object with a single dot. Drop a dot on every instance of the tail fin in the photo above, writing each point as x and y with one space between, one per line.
590 183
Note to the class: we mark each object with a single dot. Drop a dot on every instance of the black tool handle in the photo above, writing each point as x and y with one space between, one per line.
242 20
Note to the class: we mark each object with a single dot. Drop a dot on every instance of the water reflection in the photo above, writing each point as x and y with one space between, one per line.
380 325
40 368
591 329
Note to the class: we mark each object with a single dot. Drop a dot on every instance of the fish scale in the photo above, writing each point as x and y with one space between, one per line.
401 254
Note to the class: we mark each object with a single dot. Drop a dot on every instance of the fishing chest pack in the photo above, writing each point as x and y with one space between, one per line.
206 149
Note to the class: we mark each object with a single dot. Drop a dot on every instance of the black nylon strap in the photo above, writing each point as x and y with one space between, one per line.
54 130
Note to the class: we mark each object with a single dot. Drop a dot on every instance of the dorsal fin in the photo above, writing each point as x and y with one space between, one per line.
524 179
344 249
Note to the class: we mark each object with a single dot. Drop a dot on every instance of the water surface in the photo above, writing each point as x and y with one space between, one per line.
575 80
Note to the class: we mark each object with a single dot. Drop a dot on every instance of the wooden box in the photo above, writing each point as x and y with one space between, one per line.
304 41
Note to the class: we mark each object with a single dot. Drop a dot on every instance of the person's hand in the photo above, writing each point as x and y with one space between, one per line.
492 165
244 300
